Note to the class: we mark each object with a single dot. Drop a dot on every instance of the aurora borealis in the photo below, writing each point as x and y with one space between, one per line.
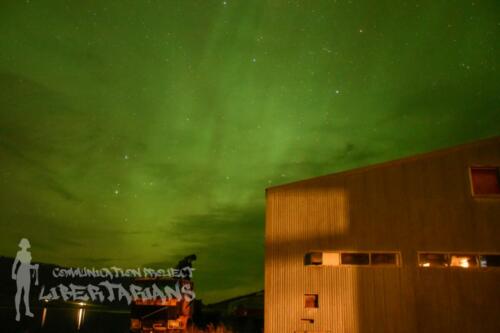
138 132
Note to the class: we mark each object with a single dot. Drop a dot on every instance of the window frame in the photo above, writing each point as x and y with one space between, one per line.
310 254
316 301
448 255
475 256
487 254
399 258
471 182
355 252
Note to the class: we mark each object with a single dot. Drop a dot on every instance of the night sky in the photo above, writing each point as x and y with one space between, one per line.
138 132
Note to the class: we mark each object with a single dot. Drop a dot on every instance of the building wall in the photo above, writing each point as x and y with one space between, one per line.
417 204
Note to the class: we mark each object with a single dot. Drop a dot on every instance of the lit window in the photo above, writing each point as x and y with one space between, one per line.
313 258
463 260
340 258
384 259
489 260
311 300
485 180
331 258
432 259
355 258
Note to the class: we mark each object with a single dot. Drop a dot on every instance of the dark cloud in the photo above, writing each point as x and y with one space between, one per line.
230 257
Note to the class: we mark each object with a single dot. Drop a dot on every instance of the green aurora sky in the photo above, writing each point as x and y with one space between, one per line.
137 132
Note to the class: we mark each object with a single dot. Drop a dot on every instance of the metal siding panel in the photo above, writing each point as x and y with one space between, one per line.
419 204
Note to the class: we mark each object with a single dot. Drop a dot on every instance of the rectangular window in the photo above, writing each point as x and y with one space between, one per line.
463 260
489 260
311 300
313 259
355 258
350 258
382 258
433 260
485 180
331 258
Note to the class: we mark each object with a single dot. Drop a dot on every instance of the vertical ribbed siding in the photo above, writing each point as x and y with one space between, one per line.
418 204
286 244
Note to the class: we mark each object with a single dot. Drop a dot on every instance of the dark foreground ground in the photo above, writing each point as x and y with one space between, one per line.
65 320
59 320
243 314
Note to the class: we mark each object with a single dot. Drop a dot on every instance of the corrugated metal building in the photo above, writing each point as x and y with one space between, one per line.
405 246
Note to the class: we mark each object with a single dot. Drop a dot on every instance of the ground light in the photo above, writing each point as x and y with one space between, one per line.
80 315
44 311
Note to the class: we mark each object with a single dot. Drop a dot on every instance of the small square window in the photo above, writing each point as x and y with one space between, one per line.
489 260
384 259
313 259
355 258
433 260
485 180
463 260
311 300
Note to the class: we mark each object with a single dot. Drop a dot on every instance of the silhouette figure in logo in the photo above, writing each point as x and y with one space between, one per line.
22 275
